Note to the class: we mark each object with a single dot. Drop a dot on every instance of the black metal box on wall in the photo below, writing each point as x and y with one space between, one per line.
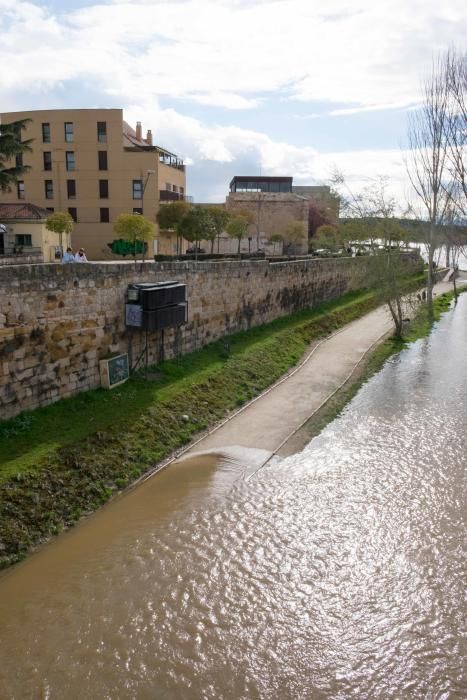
165 317
152 295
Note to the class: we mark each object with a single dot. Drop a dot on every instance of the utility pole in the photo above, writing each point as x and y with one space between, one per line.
148 175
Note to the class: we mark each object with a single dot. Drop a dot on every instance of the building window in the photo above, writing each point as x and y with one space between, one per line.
20 189
105 215
175 188
49 189
71 189
102 132
47 157
45 132
168 187
69 132
23 239
73 212
137 210
70 160
19 160
103 189
182 190
50 210
102 156
137 189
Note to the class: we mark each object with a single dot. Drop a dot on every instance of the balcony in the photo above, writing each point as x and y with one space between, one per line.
170 159
169 196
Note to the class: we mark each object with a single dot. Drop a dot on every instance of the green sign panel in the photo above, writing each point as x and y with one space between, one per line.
118 370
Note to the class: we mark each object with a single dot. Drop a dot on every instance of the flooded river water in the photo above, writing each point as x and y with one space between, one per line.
334 573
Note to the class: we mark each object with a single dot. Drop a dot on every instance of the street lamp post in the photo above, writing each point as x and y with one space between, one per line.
148 175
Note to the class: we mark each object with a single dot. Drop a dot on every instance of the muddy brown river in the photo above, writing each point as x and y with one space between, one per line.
337 572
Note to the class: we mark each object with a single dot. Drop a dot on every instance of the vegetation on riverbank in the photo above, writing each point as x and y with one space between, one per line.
69 458
419 327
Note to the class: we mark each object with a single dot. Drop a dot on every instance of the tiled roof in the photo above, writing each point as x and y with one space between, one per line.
130 140
22 212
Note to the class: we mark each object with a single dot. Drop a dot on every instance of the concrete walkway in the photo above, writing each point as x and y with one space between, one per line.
270 420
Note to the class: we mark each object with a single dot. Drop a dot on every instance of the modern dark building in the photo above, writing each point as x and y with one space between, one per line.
247 183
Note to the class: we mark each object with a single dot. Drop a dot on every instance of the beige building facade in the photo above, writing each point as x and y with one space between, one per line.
276 204
273 205
91 163
322 198
24 237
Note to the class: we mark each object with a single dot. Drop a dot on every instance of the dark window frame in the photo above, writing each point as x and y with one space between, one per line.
102 160
19 239
69 132
49 189
104 213
137 186
47 160
103 189
20 190
70 163
71 189
73 212
102 132
45 132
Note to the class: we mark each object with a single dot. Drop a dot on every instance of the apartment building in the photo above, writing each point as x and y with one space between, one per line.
94 165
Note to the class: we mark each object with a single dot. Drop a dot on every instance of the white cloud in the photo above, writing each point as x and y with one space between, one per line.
225 53
231 145
229 53
224 99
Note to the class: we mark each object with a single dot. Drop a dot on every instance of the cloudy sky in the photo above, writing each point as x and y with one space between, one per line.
237 87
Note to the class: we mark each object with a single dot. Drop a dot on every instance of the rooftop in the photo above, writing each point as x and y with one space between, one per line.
22 212
261 183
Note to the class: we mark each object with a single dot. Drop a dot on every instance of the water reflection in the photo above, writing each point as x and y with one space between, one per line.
334 573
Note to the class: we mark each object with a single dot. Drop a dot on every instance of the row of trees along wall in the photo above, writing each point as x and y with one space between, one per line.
58 321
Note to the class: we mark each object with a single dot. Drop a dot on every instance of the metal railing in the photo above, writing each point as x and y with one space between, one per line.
168 196
16 255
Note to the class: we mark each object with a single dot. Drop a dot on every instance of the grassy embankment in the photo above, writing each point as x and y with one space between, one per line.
372 363
62 461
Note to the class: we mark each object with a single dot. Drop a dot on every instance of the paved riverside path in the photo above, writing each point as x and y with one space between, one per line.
270 420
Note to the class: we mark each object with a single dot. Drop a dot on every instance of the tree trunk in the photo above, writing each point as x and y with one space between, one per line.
429 279
212 246
239 242
448 254
397 318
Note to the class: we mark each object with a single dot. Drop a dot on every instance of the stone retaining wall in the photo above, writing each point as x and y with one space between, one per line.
57 321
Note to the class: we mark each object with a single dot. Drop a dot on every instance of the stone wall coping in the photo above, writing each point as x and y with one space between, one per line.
54 271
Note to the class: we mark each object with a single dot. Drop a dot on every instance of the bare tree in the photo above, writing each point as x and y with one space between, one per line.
365 209
455 76
427 162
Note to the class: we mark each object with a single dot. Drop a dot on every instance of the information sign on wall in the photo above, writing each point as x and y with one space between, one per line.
114 371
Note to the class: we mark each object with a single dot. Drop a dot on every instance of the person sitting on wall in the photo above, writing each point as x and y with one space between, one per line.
68 256
81 256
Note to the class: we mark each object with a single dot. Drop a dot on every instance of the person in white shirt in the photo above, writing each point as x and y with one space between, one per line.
81 256
68 256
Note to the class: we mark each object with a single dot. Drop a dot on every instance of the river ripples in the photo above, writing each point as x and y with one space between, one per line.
334 573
